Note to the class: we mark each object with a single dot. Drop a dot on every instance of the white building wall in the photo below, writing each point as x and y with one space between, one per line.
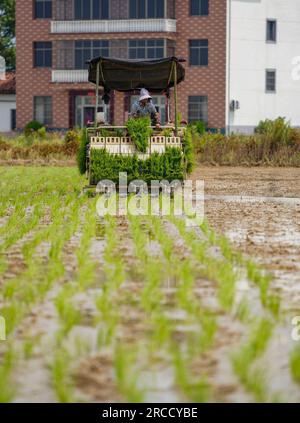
7 103
249 55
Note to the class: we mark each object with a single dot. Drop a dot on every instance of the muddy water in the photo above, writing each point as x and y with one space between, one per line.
258 209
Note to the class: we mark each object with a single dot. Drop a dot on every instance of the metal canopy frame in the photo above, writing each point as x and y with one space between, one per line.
172 81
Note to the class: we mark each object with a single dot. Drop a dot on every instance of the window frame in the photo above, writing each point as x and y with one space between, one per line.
275 81
34 7
45 121
147 47
146 8
91 48
190 103
274 21
44 50
199 48
200 14
91 10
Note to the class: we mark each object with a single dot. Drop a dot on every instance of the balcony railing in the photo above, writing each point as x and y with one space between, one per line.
70 76
107 26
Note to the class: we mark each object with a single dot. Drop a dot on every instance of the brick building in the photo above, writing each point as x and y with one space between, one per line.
55 39
242 57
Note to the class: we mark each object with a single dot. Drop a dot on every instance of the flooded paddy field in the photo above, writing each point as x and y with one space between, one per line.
145 308
258 210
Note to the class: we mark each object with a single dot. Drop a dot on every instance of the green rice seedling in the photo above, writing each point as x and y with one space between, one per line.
107 330
12 313
127 374
165 241
212 268
246 356
61 379
256 383
185 272
86 266
227 279
7 364
108 318
26 289
195 389
29 345
243 312
139 238
69 316
254 273
113 262
209 328
270 301
152 296
162 330
295 363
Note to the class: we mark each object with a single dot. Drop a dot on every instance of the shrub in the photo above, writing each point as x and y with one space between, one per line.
167 132
82 151
277 130
32 127
168 166
189 151
199 126
4 146
139 131
72 136
42 133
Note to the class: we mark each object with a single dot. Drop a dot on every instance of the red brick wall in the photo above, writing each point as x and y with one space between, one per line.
208 81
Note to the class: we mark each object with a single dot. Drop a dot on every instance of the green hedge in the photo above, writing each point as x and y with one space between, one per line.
168 166
81 155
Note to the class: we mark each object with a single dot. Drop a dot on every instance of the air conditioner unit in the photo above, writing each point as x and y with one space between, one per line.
234 105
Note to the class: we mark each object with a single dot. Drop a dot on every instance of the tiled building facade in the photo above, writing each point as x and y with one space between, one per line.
55 39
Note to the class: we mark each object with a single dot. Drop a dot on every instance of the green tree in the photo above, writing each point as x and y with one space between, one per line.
8 32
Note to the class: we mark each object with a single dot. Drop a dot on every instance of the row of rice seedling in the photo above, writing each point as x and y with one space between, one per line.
22 292
221 270
213 268
269 300
69 315
157 274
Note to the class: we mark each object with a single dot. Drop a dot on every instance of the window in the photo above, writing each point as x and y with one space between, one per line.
139 9
43 9
91 9
199 7
87 50
270 81
146 49
85 110
198 52
13 119
42 54
271 31
198 108
43 110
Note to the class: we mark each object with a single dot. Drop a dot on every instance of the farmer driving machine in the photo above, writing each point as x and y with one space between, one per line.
143 151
